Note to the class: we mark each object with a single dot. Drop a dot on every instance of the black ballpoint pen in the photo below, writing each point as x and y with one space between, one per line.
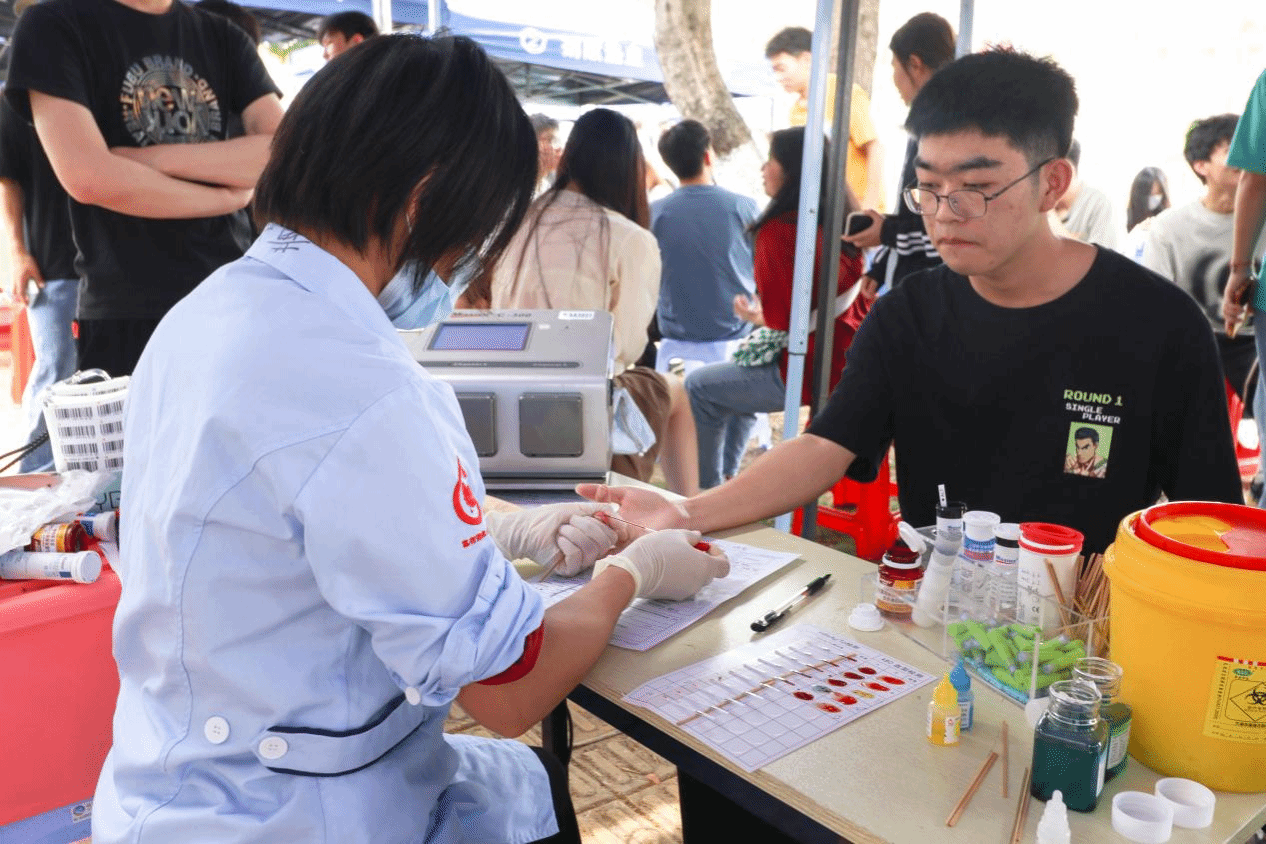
772 617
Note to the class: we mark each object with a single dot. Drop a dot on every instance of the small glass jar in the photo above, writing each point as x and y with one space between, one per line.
899 577
1070 746
1105 675
57 538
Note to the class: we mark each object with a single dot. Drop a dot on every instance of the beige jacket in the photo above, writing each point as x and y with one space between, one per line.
582 256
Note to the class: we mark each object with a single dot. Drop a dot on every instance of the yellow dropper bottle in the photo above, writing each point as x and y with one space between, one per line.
944 714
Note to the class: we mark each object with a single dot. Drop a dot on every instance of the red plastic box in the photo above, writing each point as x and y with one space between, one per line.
58 685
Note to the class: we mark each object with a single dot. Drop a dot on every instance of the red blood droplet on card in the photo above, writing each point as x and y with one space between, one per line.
847 700
836 681
828 707
867 670
895 681
804 695
879 687
852 675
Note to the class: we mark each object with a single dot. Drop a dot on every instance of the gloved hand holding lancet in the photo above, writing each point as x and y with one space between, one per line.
665 564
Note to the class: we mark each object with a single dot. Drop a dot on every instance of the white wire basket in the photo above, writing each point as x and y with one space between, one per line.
85 422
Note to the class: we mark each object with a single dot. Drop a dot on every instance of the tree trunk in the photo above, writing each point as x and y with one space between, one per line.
867 46
683 41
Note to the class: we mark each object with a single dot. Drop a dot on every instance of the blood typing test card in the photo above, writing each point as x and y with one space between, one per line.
759 702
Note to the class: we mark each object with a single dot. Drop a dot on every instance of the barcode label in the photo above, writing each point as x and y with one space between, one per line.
112 446
79 448
115 427
77 430
73 412
112 409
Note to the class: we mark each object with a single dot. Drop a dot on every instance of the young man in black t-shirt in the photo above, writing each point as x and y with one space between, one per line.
130 99
985 372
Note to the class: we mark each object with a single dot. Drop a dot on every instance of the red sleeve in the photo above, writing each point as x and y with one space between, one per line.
525 663
774 263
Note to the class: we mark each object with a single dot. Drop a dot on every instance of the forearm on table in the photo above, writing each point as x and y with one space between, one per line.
1250 215
787 476
576 632
235 163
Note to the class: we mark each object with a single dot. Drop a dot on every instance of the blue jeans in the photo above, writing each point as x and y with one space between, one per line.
50 312
725 399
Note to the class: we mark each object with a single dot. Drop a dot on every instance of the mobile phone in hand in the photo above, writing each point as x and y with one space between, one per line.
857 222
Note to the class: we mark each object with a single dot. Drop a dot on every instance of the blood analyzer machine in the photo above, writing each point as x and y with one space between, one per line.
534 389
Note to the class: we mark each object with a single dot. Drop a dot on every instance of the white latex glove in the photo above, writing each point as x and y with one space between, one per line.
566 534
665 564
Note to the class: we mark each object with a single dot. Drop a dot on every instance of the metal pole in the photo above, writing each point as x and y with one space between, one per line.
806 229
832 224
966 13
382 14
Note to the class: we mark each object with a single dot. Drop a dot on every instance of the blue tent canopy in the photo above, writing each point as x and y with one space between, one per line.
542 61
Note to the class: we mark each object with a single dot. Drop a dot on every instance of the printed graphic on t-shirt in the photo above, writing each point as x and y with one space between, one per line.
1093 416
1087 451
165 102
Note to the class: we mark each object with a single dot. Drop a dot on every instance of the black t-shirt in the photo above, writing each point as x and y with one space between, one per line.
45 212
147 79
1078 411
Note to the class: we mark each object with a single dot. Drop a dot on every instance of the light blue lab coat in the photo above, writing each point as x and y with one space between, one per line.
307 581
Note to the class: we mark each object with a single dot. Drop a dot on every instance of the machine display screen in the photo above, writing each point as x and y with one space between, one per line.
481 337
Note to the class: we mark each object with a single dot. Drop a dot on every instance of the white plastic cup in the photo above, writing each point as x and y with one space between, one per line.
1040 542
1192 802
1142 817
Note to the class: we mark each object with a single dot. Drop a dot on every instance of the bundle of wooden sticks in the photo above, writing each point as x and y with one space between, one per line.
1090 599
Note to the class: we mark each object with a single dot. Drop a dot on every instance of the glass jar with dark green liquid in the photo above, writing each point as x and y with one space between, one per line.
1106 677
1070 746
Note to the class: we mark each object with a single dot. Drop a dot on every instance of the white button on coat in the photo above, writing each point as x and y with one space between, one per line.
216 730
273 747
413 696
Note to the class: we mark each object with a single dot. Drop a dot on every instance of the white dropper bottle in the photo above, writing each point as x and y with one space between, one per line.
1052 828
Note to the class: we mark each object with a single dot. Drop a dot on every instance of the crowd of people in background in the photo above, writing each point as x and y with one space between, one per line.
984 326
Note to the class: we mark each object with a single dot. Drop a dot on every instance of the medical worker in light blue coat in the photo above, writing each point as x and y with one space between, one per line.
309 579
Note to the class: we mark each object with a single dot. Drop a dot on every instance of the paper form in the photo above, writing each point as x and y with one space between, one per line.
647 623
761 701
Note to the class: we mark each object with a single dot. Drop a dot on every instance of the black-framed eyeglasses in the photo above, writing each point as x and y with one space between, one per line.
965 202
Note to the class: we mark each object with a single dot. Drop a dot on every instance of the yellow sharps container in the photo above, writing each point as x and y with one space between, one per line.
1188 628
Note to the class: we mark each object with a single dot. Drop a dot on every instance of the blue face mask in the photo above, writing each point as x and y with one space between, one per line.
408 309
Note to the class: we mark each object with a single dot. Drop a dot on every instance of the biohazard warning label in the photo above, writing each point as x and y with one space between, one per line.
1237 701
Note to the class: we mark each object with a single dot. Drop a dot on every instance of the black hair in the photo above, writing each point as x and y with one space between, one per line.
1086 434
926 35
683 147
786 147
603 159
1030 102
1139 208
542 122
1204 136
247 22
402 117
348 24
793 41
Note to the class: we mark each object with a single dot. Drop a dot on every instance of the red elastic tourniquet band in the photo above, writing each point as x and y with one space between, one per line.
525 663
